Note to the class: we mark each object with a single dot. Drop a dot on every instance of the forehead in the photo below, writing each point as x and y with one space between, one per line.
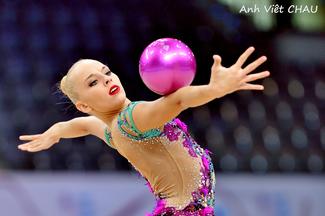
83 68
86 66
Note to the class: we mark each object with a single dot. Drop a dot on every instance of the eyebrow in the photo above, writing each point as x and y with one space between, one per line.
101 70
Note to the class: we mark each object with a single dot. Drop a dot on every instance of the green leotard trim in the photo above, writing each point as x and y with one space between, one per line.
130 110
108 137
127 112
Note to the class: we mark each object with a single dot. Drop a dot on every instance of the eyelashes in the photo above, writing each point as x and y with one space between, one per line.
93 83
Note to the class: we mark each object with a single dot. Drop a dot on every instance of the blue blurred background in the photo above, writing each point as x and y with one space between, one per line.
278 132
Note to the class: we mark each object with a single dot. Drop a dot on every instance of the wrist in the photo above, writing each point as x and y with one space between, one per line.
216 90
54 132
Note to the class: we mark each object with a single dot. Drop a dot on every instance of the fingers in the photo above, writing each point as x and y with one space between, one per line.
24 147
252 66
36 148
241 60
29 137
217 62
248 86
30 145
256 76
31 148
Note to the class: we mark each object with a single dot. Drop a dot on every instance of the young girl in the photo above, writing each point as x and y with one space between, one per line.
147 133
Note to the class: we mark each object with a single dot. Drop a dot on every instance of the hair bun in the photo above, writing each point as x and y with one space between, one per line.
63 84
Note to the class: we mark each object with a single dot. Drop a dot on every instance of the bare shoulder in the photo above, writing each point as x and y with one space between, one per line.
94 126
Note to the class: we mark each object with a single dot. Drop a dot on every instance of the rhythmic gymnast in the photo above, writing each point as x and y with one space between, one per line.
179 172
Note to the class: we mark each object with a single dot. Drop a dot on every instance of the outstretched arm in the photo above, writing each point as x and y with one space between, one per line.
223 81
76 127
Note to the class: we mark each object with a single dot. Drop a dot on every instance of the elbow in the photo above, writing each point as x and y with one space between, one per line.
180 99
181 105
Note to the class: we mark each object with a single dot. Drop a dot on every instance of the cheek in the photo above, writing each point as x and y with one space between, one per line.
98 94
117 81
91 95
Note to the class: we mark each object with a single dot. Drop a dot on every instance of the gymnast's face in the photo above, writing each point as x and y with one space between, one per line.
99 90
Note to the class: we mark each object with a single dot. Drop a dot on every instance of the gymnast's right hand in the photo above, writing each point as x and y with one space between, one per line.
38 142
77 127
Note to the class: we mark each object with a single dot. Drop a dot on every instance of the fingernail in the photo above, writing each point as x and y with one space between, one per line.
264 57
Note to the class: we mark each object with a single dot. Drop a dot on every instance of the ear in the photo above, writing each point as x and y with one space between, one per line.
83 107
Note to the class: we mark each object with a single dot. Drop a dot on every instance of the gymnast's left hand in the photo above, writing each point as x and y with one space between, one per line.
227 80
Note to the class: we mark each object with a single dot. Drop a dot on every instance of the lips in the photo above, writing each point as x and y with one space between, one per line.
114 90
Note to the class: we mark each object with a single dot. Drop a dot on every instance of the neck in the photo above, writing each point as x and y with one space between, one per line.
109 117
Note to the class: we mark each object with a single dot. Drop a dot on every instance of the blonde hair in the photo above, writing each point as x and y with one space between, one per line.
66 85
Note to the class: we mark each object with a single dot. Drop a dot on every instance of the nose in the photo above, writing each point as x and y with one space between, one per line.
108 80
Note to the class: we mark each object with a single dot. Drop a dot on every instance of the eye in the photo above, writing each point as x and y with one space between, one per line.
108 73
93 83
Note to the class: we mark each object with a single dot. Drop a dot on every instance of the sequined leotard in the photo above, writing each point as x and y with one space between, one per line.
177 170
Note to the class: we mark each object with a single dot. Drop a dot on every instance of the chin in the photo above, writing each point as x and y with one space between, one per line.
117 102
121 100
